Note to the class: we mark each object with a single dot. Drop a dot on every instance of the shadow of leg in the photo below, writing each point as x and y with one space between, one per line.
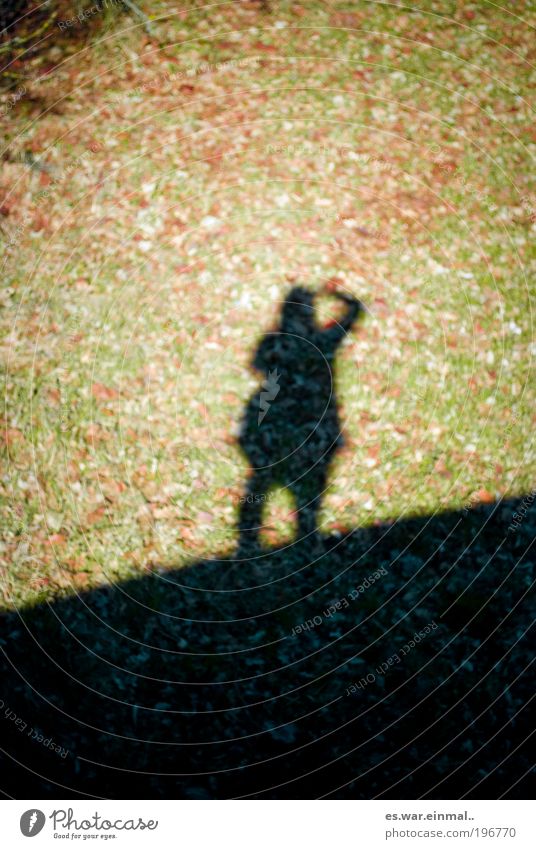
250 519
308 493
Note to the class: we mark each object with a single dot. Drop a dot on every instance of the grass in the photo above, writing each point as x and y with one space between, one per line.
389 149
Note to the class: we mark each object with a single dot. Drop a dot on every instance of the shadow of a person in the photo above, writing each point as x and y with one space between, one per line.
291 428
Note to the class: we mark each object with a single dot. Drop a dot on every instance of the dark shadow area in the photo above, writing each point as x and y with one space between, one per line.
278 677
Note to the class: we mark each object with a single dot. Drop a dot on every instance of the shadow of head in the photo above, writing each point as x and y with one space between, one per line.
297 315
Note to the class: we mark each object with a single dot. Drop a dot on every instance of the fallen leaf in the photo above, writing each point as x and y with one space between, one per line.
484 496
56 539
95 515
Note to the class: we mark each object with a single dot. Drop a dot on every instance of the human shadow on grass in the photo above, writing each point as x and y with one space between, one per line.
391 660
291 429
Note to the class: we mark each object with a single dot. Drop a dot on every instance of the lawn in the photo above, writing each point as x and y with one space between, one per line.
180 186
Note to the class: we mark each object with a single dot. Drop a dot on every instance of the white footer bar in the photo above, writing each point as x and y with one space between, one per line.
269 824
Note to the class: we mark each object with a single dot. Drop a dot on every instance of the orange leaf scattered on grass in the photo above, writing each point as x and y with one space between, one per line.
80 579
347 20
205 517
74 563
187 538
54 396
11 435
40 222
441 468
265 48
95 433
102 392
56 539
95 515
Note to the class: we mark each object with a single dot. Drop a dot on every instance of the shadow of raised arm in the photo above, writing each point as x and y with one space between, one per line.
332 337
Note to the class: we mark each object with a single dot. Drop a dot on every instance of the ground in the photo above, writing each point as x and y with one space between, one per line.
161 195
182 197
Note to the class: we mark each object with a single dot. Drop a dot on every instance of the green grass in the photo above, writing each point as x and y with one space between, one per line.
119 281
